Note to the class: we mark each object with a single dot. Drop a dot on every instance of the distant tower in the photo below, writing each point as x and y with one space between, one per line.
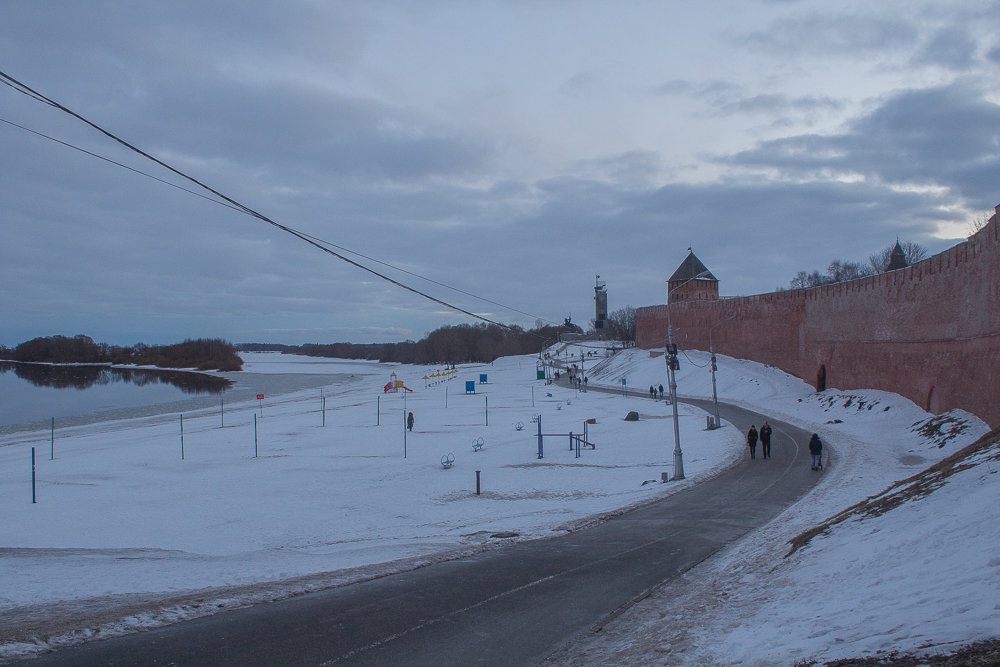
601 306
692 281
897 260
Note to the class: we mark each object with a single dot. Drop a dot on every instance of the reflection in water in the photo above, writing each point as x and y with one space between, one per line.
82 377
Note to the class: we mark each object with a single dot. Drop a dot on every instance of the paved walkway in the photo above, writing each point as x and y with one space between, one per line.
507 606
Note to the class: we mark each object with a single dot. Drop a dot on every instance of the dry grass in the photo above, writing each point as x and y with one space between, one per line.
987 448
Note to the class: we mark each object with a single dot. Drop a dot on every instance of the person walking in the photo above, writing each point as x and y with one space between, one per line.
816 449
765 440
752 441
409 422
661 391
652 392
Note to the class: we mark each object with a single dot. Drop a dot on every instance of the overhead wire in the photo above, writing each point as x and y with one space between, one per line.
324 246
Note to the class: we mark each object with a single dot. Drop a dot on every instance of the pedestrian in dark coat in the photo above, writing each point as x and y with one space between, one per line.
816 449
752 440
661 391
652 392
409 422
765 440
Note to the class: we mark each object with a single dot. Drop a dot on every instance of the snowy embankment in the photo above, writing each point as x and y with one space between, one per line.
913 569
126 534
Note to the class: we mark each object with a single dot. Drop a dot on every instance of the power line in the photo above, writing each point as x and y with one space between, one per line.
119 164
324 246
240 210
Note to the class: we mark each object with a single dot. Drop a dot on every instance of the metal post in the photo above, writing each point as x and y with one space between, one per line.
182 437
477 483
52 441
404 425
378 409
532 395
33 476
711 351
715 396
678 455
222 413
539 419
255 435
487 410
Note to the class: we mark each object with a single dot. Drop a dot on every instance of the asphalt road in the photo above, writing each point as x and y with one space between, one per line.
508 606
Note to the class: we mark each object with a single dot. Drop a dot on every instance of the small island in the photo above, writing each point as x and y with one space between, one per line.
203 354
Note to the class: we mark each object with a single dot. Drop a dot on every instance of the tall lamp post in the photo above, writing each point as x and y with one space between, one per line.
672 365
711 352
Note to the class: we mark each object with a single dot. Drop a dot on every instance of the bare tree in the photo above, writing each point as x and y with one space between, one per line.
621 324
839 271
978 223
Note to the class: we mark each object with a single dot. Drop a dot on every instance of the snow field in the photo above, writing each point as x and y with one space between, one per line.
120 512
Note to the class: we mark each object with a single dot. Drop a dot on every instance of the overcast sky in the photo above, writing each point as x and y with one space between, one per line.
510 150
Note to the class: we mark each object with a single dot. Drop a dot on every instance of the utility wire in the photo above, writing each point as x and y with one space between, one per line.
123 166
235 208
232 203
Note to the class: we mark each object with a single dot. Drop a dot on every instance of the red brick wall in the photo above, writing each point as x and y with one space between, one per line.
930 332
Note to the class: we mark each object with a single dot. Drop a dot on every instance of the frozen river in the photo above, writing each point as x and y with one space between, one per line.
31 395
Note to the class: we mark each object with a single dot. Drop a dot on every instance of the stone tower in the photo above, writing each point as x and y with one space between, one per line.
897 260
692 281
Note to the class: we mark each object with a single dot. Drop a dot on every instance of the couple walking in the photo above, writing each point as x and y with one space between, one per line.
764 436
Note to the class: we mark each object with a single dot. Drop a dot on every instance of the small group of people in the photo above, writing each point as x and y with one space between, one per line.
653 391
764 436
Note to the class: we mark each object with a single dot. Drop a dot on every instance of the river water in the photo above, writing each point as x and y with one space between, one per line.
32 395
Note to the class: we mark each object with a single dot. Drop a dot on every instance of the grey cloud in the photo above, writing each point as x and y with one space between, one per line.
777 103
940 136
951 48
825 34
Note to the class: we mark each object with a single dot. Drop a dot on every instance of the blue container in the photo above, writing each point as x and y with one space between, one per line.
482 378
470 386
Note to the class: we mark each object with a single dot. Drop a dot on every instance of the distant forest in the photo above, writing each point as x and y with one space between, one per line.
203 353
463 343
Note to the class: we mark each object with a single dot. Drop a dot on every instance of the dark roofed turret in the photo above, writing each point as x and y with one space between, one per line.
692 268
897 260
692 281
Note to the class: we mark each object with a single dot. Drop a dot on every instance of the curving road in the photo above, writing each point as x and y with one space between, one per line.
509 606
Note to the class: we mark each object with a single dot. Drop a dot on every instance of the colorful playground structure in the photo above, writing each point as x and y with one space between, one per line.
394 385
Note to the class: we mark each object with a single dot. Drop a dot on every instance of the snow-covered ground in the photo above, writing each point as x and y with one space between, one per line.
121 516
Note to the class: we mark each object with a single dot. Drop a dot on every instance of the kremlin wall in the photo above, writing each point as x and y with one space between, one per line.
929 332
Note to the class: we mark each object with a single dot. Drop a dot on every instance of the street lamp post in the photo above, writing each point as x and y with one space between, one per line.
711 352
672 365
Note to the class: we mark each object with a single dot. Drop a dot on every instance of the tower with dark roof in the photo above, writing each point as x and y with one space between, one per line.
897 260
692 281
